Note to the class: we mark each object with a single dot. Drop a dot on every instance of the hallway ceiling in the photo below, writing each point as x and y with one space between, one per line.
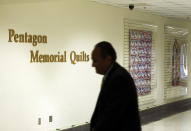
180 9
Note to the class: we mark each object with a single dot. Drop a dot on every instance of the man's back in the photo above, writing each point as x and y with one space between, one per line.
117 106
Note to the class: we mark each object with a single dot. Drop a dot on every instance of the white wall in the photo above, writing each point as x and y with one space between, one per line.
65 91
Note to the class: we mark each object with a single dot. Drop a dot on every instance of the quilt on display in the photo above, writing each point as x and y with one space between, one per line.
176 64
140 59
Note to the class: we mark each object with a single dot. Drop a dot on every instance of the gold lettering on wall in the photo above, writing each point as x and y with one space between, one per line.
26 38
44 58
37 57
82 57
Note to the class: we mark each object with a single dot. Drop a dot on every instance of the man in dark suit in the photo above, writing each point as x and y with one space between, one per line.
117 104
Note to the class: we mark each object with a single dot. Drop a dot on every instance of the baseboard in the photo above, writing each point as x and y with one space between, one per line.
160 112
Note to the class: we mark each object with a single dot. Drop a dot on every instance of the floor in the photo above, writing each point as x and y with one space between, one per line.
178 122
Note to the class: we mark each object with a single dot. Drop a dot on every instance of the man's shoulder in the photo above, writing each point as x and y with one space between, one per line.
119 72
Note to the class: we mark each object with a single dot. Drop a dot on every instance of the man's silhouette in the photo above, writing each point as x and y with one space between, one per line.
117 105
